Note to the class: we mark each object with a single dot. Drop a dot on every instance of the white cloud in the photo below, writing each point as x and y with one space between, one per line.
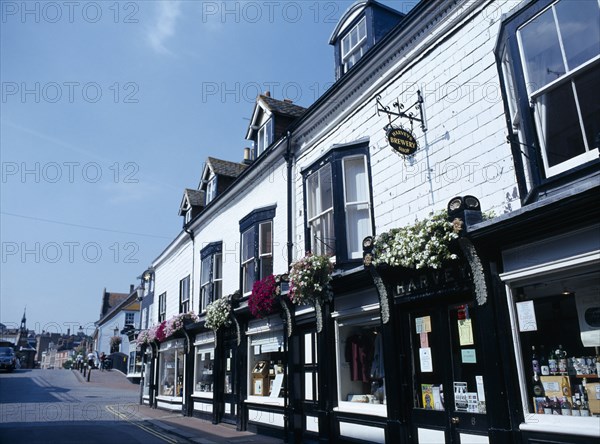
164 27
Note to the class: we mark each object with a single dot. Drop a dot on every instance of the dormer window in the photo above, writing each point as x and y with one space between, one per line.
354 44
264 137
188 215
211 189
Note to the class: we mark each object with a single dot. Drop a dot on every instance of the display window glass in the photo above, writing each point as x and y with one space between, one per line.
265 366
361 376
557 342
171 369
204 365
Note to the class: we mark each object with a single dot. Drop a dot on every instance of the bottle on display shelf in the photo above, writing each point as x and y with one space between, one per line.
552 363
538 388
598 362
535 362
561 357
565 386
547 405
544 367
576 405
565 407
585 405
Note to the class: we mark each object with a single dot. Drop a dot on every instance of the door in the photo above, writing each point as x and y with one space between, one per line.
448 378
230 386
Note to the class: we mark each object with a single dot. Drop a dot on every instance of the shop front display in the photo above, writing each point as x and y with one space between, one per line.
552 289
204 374
265 374
171 373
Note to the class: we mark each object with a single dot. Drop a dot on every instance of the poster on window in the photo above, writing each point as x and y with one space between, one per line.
588 312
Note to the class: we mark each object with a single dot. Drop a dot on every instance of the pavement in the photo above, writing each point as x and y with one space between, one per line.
165 424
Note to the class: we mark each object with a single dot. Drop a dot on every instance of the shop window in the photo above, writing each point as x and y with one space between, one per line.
265 364
184 295
162 307
211 274
556 344
257 247
204 365
135 363
147 375
171 369
554 64
361 376
338 204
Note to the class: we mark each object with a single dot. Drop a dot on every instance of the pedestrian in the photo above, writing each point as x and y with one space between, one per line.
79 361
102 361
91 357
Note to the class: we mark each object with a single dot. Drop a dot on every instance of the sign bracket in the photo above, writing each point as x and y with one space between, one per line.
403 113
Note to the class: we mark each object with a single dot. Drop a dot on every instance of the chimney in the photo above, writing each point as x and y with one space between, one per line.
248 156
267 93
131 287
68 332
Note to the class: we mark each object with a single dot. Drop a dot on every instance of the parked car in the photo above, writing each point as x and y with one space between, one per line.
8 360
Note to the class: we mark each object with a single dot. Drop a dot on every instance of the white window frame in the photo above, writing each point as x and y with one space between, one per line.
264 255
162 307
319 246
185 301
356 254
264 136
211 189
347 51
175 346
130 316
275 329
364 315
586 426
208 288
567 77
250 261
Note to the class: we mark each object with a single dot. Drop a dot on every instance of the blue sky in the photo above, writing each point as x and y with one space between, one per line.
108 111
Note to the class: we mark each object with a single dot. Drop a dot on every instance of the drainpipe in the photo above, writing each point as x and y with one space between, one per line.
290 250
290 237
192 237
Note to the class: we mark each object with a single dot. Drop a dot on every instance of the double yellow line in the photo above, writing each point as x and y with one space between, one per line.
140 425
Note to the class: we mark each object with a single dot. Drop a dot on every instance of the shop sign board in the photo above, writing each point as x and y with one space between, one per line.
402 141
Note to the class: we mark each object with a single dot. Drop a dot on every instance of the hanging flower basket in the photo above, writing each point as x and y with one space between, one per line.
143 337
263 300
115 341
309 283
217 314
160 332
426 244
177 322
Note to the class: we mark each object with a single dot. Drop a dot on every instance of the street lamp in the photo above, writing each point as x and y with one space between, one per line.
116 330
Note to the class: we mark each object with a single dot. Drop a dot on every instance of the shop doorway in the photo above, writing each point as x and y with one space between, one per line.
448 378
230 386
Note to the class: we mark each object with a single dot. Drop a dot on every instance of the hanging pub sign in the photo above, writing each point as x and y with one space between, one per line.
402 141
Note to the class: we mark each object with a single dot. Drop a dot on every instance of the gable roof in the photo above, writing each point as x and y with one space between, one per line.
194 197
225 167
264 102
282 107
110 301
